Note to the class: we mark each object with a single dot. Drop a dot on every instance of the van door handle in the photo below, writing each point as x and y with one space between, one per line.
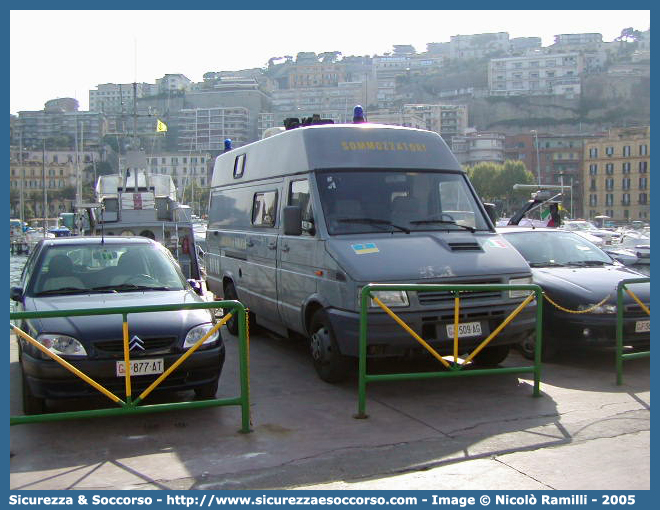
249 244
272 245
285 247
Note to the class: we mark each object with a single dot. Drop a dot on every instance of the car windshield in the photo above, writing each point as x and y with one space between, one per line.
111 267
544 248
380 200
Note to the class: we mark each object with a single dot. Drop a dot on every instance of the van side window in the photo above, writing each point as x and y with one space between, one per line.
299 195
239 166
264 209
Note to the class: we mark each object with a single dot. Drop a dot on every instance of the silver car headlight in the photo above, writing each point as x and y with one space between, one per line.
598 309
198 332
390 298
520 281
62 345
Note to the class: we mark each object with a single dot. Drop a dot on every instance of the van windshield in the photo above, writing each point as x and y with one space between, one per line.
357 201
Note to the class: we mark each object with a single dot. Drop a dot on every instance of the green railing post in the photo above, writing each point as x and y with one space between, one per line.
362 361
538 345
453 370
131 406
620 356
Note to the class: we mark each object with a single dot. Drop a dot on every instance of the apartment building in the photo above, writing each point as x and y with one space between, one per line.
477 45
617 174
536 74
66 127
478 147
58 171
118 97
448 120
405 119
332 102
184 168
205 129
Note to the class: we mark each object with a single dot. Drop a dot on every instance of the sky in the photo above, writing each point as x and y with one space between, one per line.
66 53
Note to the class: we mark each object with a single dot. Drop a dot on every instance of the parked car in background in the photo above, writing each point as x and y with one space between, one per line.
586 227
577 275
88 272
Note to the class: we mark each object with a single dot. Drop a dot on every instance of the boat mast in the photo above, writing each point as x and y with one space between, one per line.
20 162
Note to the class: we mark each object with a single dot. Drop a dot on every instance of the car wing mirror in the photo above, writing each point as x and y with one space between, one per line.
292 220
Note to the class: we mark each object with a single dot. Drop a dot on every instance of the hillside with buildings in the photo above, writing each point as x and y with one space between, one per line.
490 97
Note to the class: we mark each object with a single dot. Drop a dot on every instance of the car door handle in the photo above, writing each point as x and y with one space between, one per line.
285 247
272 245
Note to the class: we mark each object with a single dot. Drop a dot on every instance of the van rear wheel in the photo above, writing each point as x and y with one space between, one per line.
329 363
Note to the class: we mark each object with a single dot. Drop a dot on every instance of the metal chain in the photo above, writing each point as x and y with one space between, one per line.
575 311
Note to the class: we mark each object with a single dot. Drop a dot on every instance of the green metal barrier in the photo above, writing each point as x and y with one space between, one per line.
131 406
620 356
454 369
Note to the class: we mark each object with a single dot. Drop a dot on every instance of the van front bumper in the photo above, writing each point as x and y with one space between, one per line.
386 338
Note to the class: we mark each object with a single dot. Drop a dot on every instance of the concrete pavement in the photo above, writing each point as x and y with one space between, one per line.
486 432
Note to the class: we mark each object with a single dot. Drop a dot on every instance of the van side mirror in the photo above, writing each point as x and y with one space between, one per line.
196 286
292 220
16 294
490 211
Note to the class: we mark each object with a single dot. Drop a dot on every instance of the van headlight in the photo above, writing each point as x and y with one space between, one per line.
62 345
390 298
520 281
198 332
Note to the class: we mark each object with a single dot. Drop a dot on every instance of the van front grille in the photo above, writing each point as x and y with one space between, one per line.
428 298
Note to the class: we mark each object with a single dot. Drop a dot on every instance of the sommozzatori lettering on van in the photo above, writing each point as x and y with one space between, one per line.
299 222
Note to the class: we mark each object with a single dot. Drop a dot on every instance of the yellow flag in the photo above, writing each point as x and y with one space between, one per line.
161 126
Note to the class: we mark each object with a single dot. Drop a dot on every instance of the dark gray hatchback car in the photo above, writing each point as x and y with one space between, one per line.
86 272
579 276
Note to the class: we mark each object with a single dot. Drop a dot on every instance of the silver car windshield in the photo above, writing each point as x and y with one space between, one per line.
357 201
556 248
76 268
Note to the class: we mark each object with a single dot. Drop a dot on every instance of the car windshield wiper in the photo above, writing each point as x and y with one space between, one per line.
547 263
592 263
63 290
374 221
128 287
422 222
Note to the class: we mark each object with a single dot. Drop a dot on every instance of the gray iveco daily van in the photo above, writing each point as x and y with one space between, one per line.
300 221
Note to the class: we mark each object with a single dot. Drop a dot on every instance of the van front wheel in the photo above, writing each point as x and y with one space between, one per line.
231 295
330 364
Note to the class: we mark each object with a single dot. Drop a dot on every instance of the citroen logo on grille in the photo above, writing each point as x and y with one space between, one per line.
136 344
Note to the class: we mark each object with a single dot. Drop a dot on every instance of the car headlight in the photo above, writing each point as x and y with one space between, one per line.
198 332
520 281
62 345
598 309
390 298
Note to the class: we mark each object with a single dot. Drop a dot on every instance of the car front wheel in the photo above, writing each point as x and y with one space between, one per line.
31 404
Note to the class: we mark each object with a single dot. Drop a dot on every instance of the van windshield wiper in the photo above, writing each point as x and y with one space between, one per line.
63 290
129 287
588 263
423 222
374 221
547 263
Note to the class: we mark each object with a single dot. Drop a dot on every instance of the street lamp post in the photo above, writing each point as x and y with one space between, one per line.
538 163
